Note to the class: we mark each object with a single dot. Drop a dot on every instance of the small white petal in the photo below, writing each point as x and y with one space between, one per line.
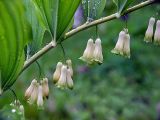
40 97
120 43
98 56
69 80
69 63
126 47
34 94
45 87
149 31
62 82
57 72
88 53
30 89
157 33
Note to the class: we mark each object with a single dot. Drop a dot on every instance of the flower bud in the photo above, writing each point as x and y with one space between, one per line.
40 97
34 94
119 45
98 56
157 33
57 72
88 53
69 80
63 78
149 32
30 89
45 87
126 47
69 64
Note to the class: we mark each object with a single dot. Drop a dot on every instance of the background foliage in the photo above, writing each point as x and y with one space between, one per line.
119 89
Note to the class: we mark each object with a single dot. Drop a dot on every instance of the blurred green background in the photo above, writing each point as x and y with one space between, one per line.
119 89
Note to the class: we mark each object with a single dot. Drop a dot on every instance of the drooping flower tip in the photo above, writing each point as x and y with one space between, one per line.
157 33
63 78
88 53
149 31
57 72
97 54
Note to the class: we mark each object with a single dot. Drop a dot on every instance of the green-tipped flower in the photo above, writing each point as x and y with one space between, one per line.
69 64
69 80
157 33
62 82
40 97
57 72
45 87
97 54
123 44
149 32
30 89
88 53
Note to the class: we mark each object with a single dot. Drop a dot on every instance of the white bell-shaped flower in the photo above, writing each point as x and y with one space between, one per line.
150 30
57 72
34 94
97 54
69 80
45 87
126 46
30 89
157 33
120 43
40 97
88 53
69 64
62 82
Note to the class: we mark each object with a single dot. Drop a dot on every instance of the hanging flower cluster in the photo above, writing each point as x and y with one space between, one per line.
93 52
123 44
150 36
37 92
63 74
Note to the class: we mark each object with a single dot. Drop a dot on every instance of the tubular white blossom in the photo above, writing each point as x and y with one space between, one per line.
45 87
98 56
120 43
57 72
69 80
62 82
88 53
126 47
34 94
149 32
40 97
30 89
157 33
69 63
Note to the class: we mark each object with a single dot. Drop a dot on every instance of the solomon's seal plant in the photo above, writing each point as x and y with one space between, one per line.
23 28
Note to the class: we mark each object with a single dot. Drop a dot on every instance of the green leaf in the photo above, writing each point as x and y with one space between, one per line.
93 8
13 38
53 16
122 5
